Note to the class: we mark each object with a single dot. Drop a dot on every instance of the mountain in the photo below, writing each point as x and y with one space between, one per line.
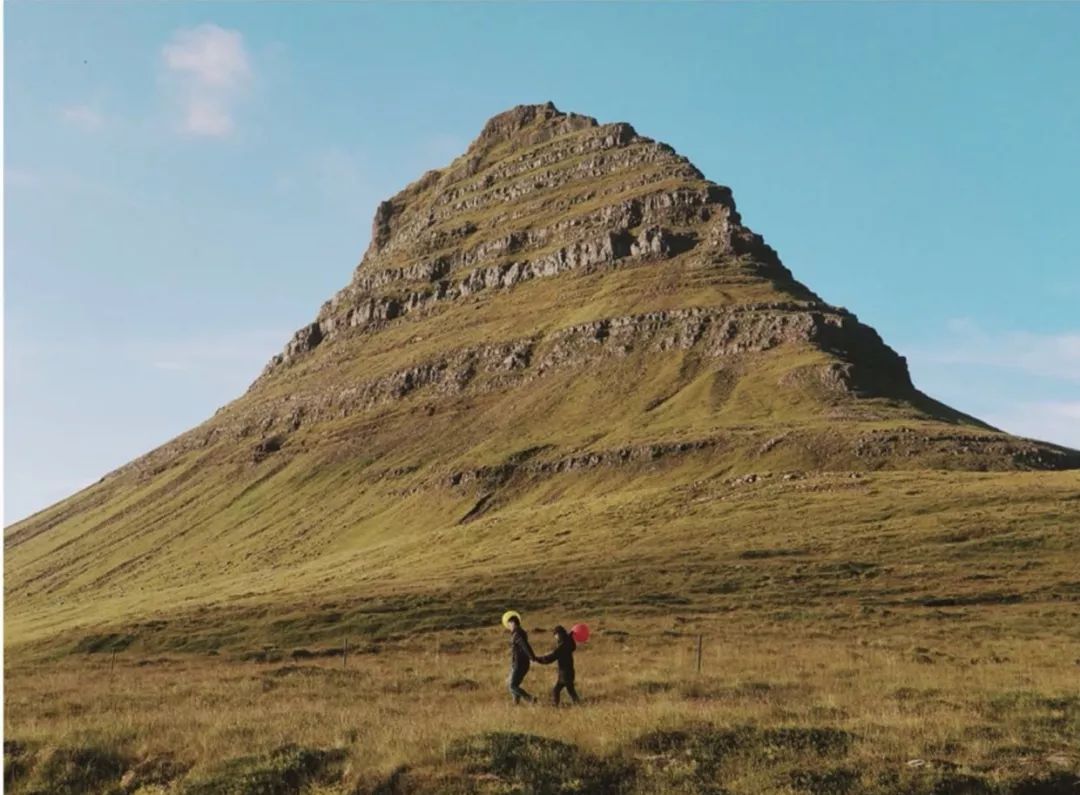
554 351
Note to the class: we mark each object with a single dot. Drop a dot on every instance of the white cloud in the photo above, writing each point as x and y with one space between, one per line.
1049 355
212 72
208 117
1054 421
83 117
1023 382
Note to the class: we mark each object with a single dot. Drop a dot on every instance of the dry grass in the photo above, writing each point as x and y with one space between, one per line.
998 710
877 632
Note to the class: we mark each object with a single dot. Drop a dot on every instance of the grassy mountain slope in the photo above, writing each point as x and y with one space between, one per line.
567 309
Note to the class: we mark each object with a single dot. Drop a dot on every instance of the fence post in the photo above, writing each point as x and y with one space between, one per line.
345 653
699 654
112 661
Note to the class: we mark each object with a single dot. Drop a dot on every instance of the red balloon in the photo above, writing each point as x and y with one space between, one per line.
579 632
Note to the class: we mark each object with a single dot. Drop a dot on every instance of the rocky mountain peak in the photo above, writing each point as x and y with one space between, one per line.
530 165
511 123
556 247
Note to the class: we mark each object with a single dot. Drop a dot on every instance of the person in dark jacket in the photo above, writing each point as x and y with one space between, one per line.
564 656
521 655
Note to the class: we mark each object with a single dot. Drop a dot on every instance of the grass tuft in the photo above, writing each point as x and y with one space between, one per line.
283 771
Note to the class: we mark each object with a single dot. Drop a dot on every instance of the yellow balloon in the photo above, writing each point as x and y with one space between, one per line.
508 615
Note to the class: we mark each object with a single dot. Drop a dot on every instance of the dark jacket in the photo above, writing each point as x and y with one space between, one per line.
521 653
563 655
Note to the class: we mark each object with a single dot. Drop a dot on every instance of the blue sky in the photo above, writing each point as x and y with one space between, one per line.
185 184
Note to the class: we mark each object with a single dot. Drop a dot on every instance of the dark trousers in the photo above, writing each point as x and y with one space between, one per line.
557 691
517 676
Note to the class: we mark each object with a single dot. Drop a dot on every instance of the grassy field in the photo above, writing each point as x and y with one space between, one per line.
879 632
938 705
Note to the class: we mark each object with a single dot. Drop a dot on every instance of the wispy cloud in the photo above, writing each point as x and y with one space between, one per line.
212 72
330 177
338 174
223 350
1049 420
1024 382
1048 355
16 177
225 353
83 117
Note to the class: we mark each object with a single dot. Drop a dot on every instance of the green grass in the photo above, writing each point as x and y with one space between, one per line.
888 540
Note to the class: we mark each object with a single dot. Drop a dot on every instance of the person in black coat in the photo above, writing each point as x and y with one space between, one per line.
521 654
564 656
